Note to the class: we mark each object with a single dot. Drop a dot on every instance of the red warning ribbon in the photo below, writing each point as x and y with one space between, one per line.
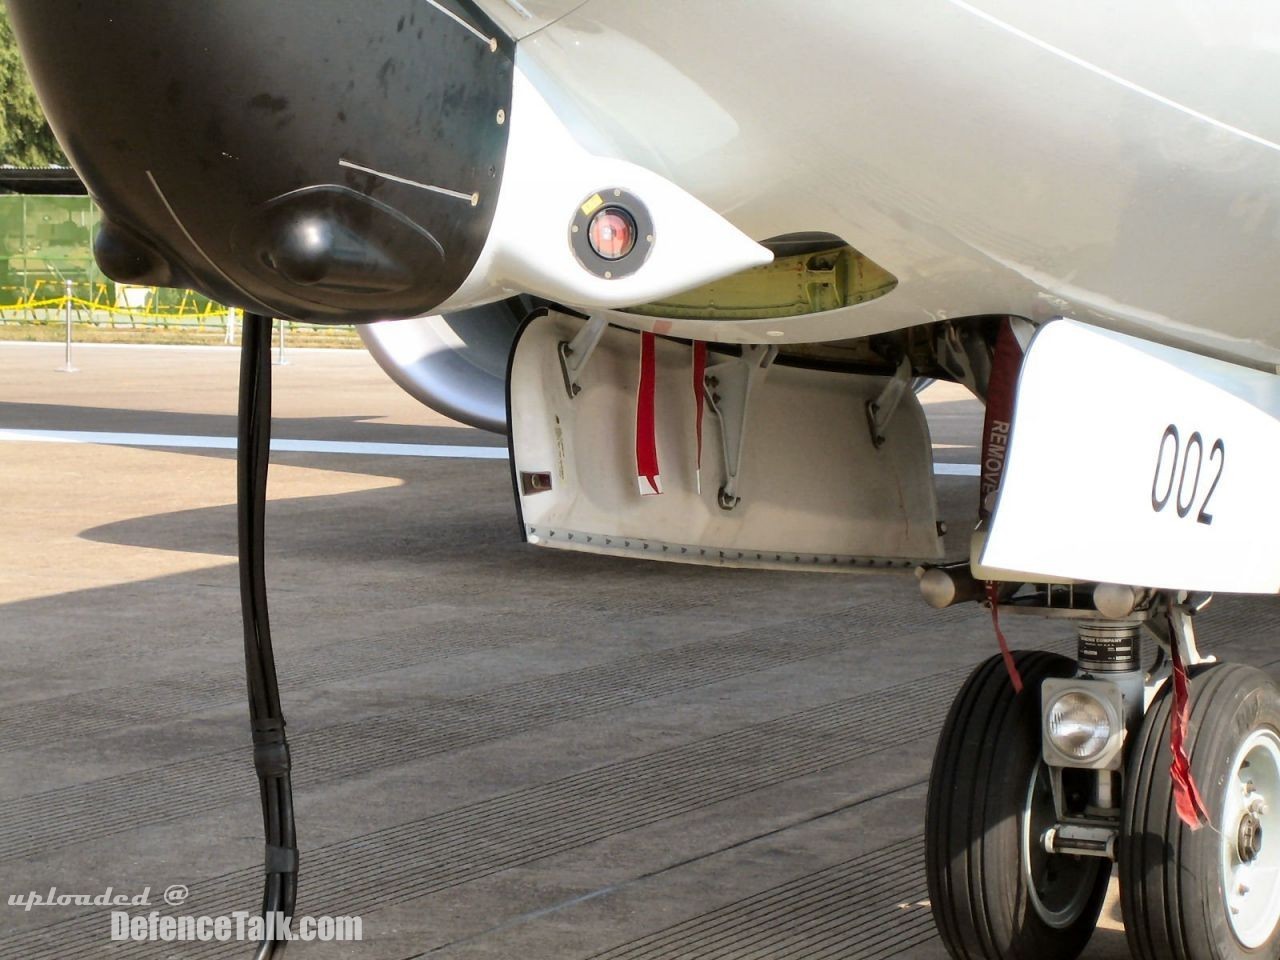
699 402
1186 796
646 425
1010 665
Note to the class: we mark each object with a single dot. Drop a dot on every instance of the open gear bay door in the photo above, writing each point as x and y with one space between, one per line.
790 475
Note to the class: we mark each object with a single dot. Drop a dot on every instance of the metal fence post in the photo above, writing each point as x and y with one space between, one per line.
68 367
280 361
231 326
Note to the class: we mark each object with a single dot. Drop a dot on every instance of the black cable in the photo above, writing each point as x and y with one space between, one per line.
270 748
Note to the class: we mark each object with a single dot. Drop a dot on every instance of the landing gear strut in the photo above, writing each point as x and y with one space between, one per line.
270 748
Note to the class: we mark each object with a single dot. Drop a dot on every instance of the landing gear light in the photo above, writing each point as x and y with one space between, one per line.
1083 723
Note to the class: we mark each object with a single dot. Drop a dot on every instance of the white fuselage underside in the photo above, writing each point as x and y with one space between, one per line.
1115 164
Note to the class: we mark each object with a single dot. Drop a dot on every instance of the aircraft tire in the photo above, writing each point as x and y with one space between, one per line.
988 795
1181 890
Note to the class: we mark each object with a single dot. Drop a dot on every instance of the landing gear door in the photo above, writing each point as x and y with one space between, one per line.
789 477
1135 463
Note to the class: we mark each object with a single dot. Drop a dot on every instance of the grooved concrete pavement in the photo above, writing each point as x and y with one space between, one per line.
499 751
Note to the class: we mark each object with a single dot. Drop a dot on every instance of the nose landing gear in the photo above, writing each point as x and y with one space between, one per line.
1021 836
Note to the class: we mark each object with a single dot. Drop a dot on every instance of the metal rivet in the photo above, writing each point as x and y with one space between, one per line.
502 117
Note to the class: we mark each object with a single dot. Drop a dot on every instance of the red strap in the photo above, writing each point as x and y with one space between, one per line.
646 424
1002 386
1010 665
1186 796
1006 364
699 402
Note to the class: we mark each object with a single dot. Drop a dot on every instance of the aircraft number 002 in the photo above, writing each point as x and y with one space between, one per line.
1174 483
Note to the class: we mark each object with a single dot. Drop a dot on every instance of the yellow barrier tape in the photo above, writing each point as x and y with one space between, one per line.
191 312
97 306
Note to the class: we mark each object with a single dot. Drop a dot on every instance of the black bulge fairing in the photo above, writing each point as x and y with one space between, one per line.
322 160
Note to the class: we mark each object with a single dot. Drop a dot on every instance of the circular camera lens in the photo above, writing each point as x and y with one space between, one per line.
612 233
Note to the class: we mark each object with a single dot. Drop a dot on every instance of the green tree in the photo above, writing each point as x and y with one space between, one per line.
25 137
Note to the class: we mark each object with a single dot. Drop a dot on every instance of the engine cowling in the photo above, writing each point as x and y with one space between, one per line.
455 364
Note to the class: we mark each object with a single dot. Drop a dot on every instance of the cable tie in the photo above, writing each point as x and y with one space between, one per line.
272 759
281 859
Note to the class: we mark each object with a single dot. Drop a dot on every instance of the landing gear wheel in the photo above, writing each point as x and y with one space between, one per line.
995 891
1212 893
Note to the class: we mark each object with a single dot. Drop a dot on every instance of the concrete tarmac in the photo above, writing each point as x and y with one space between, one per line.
499 751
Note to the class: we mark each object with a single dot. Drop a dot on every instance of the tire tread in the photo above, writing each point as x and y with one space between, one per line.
973 924
1166 915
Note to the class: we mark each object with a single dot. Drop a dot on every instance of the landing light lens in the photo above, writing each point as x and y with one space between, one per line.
612 233
1079 725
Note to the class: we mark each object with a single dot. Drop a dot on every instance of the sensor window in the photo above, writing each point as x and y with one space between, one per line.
611 234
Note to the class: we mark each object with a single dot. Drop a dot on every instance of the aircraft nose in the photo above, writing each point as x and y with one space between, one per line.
316 159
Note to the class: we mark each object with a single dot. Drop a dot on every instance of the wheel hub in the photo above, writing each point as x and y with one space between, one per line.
1249 838
1059 886
1251 869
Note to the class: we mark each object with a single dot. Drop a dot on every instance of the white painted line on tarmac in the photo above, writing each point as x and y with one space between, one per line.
956 470
447 451
279 445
